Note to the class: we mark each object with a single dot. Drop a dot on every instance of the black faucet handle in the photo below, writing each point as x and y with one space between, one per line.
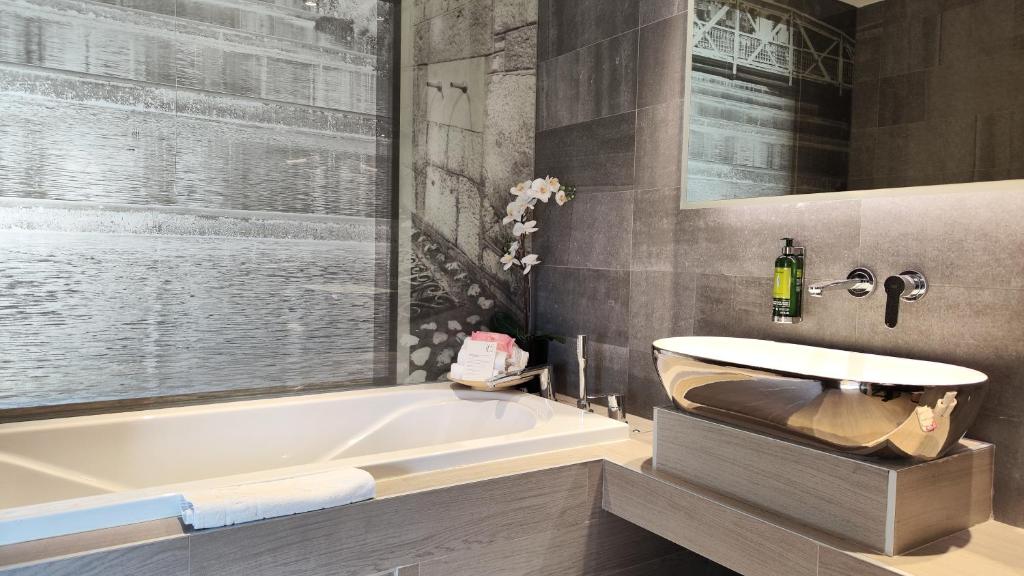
909 286
894 287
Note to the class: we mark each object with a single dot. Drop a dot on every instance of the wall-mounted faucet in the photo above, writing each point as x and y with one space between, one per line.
860 282
463 87
434 85
616 403
909 286
582 400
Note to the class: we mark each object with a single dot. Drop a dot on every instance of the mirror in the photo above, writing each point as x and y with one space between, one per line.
809 96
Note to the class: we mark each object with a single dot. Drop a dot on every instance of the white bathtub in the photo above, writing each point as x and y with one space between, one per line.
85 473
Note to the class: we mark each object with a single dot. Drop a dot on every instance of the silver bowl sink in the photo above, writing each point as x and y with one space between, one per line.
857 403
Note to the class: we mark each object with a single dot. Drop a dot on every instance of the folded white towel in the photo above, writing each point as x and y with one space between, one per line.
226 505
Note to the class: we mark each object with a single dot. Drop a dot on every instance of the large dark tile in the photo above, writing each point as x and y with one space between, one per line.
970 239
744 240
997 83
862 155
662 61
659 135
867 59
602 305
938 148
574 301
902 99
565 26
955 45
558 82
920 30
607 368
733 306
552 242
910 39
865 105
596 155
741 307
593 82
661 305
602 225
892 153
993 26
947 91
984 28
654 229
608 73
553 308
895 53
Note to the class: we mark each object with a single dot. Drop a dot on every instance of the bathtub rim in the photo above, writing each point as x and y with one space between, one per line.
72 515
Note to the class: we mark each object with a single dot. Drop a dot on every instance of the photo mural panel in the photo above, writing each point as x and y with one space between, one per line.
804 96
471 90
771 90
192 197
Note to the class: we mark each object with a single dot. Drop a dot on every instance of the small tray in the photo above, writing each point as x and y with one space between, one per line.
491 385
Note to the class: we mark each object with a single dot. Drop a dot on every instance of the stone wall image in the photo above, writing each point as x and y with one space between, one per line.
473 130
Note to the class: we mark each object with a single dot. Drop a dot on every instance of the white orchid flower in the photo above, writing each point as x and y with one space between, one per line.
513 247
529 262
561 198
540 190
553 183
514 211
524 228
521 188
509 260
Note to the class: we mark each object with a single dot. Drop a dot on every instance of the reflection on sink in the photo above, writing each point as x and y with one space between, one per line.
858 403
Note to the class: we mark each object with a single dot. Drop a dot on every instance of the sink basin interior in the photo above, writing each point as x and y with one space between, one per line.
859 403
821 362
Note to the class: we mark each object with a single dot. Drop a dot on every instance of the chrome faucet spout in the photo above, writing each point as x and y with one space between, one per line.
860 282
821 287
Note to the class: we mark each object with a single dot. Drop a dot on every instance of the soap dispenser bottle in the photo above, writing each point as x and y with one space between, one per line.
788 284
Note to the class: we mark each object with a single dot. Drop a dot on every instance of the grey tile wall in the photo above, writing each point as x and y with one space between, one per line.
567 26
595 81
937 93
605 251
707 271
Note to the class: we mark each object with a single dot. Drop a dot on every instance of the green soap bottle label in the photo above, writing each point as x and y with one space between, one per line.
783 288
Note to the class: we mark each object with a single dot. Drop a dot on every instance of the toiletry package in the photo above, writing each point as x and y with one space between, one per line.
488 355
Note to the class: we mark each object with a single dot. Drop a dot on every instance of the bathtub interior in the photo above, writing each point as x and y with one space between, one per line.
50 461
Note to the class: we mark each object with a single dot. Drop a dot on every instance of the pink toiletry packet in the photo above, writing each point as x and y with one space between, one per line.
505 342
